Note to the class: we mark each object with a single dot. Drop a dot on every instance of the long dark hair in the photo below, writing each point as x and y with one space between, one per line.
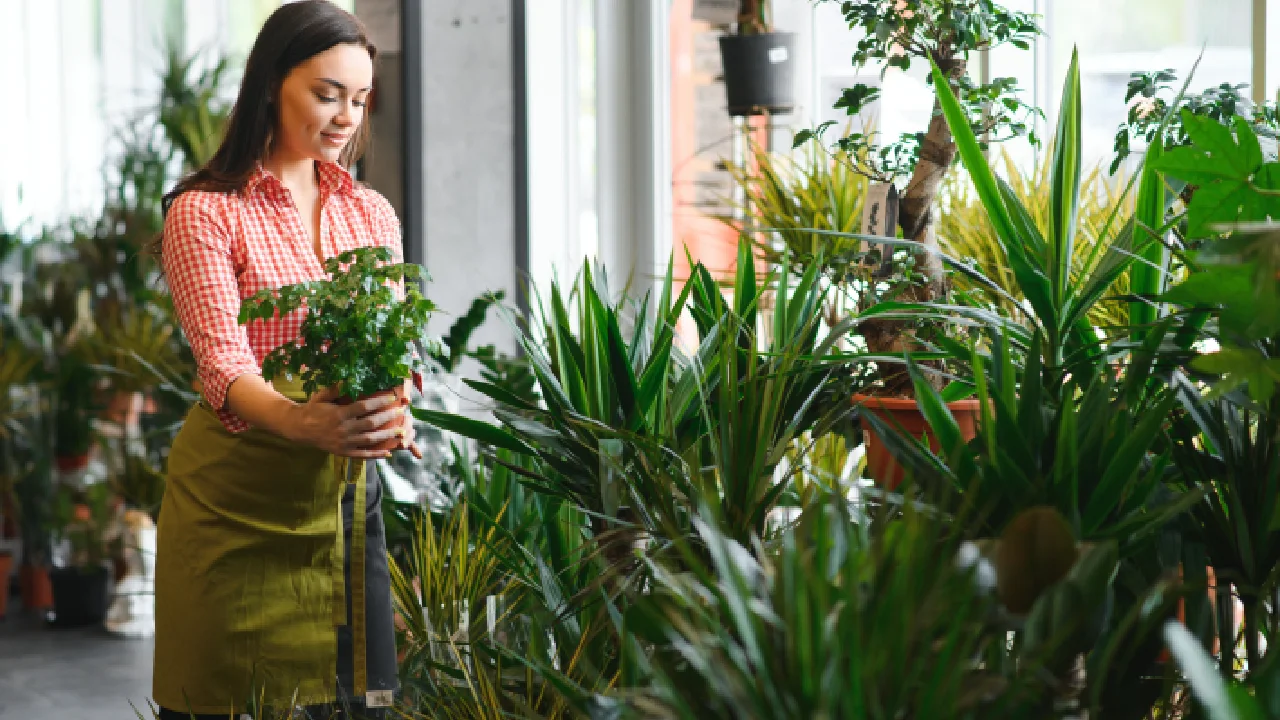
293 34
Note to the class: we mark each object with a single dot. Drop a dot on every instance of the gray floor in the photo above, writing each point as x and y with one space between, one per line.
80 674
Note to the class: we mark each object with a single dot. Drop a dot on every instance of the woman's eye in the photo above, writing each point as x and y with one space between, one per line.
358 104
325 99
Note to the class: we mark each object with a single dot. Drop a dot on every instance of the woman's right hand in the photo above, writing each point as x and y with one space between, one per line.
347 430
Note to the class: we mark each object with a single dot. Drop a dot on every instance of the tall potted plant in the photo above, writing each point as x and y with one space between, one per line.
759 63
895 34
81 586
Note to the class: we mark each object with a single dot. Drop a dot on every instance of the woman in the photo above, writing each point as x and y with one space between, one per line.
254 594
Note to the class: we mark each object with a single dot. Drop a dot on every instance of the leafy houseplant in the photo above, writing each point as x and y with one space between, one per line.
1148 94
896 33
965 233
358 336
80 587
759 66
1225 440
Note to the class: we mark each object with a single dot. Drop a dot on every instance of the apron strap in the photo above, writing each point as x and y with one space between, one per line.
353 472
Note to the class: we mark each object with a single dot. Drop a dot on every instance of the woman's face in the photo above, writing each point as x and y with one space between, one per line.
322 103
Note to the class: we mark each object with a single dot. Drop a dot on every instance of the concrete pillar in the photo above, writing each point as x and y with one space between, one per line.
463 186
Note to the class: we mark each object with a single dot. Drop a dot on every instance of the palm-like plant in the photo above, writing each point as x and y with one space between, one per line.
1055 322
800 202
965 232
191 111
838 623
1063 427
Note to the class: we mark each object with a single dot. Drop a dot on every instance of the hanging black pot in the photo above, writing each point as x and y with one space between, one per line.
759 72
80 596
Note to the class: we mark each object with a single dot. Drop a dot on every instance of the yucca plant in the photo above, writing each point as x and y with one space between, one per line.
1097 459
191 111
796 199
839 622
760 397
441 593
965 233
602 393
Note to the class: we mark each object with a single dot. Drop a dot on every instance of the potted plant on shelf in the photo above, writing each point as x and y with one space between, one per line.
759 64
81 586
909 265
360 335
16 367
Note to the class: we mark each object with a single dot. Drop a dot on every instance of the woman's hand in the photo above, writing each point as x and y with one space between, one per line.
407 440
348 430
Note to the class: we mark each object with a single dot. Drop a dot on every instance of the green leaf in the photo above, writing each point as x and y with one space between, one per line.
474 429
1230 287
1206 683
1146 279
1064 184
975 161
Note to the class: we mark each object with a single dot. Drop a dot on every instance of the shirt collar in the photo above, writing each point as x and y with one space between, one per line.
333 178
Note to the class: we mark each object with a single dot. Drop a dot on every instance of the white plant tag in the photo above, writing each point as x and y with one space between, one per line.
778 55
378 699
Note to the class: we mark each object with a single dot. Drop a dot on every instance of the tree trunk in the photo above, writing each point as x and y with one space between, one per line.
918 217
918 208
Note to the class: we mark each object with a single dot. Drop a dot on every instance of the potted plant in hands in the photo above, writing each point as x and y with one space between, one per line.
759 68
81 586
361 336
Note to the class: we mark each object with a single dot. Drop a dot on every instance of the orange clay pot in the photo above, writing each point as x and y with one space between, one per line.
903 412
398 392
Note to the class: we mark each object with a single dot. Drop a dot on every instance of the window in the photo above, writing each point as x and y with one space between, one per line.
562 129
82 69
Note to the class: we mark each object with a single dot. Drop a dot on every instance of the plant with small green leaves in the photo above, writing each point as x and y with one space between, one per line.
1151 94
896 33
358 335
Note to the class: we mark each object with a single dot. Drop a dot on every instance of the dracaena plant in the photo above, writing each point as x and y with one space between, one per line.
358 334
1059 279
894 618
1098 457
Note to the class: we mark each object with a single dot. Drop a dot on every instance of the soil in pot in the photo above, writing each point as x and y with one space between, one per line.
80 596
904 413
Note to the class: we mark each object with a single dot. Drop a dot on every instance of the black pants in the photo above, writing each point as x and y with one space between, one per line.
380 634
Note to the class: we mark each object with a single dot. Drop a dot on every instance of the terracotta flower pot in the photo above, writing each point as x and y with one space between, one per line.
71 463
398 421
36 588
905 413
6 567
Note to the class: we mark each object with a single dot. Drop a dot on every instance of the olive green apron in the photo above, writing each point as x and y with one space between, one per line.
249 570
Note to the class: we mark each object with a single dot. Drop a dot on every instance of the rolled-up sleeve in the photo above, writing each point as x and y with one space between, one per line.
201 274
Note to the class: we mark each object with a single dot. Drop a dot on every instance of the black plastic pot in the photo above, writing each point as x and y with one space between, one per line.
759 72
80 596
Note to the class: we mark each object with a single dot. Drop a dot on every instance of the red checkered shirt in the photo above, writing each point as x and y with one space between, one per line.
220 248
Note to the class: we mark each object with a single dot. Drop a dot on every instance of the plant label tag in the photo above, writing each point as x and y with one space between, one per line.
880 213
880 210
778 55
378 699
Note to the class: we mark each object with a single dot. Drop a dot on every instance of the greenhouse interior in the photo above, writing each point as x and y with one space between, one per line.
629 359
